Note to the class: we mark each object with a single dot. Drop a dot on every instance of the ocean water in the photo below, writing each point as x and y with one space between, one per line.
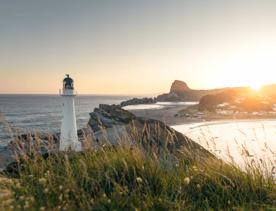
158 105
27 113
238 141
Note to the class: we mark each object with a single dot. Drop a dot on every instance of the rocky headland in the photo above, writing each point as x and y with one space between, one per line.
181 92
137 101
109 125
112 124
215 104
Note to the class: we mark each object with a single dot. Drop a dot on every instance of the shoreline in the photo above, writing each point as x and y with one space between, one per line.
170 116
167 114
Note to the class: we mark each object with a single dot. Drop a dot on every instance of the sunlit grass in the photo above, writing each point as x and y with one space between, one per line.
140 176
132 178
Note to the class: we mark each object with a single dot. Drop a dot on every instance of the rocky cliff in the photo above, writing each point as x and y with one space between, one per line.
179 87
111 124
108 125
180 91
137 101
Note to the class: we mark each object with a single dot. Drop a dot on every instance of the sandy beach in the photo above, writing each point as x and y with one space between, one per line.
167 113
242 140
172 114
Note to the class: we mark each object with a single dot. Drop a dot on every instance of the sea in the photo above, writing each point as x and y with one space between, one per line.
43 113
241 142
235 141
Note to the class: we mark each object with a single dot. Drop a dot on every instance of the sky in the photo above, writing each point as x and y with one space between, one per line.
135 46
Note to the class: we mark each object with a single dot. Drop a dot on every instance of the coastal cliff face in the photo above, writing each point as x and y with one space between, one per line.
111 124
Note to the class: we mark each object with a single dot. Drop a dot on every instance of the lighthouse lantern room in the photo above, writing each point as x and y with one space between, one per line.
68 136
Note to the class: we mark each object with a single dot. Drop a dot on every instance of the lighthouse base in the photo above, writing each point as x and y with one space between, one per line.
69 136
66 145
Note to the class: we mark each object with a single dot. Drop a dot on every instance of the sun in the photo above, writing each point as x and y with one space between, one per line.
256 87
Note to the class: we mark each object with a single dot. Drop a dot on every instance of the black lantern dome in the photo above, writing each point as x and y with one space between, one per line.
68 82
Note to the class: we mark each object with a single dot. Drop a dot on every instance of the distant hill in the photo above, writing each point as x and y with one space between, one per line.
210 101
180 92
243 100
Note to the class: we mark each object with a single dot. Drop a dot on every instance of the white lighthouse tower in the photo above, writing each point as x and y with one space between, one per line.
69 136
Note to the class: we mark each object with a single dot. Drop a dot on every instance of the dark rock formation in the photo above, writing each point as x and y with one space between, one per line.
137 101
6 156
209 102
180 91
106 116
179 87
150 134
170 97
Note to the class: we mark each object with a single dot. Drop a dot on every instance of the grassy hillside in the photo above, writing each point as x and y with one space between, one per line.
131 178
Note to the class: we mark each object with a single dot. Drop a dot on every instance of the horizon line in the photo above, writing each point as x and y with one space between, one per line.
92 94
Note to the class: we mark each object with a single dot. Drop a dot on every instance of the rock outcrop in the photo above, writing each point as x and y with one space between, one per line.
180 92
108 124
137 101
179 87
107 116
209 102
109 121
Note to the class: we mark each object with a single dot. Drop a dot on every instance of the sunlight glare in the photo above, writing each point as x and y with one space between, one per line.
256 87
253 69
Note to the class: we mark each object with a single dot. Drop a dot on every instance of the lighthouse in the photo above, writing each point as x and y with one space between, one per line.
68 136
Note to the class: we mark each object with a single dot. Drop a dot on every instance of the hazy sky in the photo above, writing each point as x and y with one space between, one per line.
135 47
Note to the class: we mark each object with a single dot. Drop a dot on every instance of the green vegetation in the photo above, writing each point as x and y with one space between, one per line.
124 178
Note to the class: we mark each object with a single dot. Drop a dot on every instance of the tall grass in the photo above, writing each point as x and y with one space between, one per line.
124 178
137 176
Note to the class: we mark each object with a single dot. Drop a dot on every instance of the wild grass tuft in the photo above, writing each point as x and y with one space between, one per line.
136 177
129 178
